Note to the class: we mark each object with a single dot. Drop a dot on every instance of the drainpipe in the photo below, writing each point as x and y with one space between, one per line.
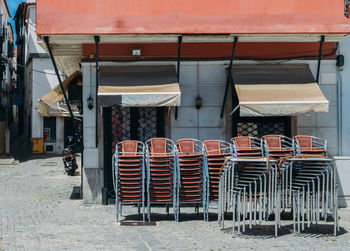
179 41
97 40
340 112
319 59
340 104
228 76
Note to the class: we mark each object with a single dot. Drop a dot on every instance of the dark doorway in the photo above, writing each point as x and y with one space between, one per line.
68 131
123 123
49 129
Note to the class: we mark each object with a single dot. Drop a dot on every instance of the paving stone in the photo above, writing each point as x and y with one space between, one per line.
36 213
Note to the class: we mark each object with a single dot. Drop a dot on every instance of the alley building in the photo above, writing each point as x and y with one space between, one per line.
8 112
48 131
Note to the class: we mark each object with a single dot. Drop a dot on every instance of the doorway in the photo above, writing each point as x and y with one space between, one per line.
124 123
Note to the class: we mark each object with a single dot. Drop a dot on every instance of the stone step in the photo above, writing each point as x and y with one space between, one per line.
8 161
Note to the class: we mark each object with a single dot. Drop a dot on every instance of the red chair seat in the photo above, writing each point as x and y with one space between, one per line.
189 182
129 170
130 178
312 151
189 155
129 160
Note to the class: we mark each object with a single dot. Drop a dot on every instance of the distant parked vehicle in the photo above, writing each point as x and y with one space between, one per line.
69 160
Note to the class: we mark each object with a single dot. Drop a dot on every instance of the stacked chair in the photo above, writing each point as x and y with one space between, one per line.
246 146
249 187
253 178
216 152
309 145
162 174
302 180
309 188
193 174
129 171
277 146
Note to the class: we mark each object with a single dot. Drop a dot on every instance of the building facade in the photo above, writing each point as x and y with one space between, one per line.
7 78
197 41
37 77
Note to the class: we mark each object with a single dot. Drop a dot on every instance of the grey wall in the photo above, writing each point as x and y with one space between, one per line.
344 82
206 79
93 168
323 124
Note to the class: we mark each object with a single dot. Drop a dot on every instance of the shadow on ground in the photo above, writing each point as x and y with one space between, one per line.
76 193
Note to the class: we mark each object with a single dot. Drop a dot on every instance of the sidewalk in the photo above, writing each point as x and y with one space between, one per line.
37 214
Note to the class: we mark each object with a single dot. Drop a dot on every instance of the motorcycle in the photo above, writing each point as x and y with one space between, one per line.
69 160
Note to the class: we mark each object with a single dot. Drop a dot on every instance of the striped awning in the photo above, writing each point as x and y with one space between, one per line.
277 90
48 104
138 86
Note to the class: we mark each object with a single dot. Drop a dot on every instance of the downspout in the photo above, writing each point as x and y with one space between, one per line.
97 40
340 106
228 76
179 41
340 112
319 59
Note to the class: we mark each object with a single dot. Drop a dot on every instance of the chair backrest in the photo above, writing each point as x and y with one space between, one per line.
158 145
305 142
185 145
213 147
244 142
129 146
273 141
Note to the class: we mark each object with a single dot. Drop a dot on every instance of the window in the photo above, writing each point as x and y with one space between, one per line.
260 126
50 129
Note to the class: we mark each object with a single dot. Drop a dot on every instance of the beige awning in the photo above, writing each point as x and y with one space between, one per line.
277 90
48 104
138 86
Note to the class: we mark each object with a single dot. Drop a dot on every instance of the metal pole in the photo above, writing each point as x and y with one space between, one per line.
97 40
75 124
319 59
228 76
179 41
46 40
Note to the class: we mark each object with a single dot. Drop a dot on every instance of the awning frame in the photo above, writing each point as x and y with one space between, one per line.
139 85
281 102
229 77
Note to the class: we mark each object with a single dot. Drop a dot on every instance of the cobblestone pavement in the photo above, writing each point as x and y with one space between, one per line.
37 214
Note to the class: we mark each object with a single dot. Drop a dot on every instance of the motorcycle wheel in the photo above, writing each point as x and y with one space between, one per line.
71 172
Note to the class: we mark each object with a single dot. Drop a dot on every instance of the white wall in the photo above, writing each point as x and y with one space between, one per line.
343 162
93 166
32 40
206 79
344 83
322 124
43 79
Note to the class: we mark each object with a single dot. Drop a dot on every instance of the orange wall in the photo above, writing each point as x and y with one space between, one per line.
191 17
247 50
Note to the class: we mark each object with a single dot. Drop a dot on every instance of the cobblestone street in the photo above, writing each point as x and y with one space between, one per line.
38 214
